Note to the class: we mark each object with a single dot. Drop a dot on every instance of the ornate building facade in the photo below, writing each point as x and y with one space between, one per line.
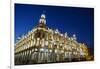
45 45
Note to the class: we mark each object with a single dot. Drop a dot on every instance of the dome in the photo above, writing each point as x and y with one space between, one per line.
43 16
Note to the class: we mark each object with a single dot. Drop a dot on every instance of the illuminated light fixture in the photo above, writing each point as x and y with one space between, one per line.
41 49
38 39
61 44
35 49
55 51
50 50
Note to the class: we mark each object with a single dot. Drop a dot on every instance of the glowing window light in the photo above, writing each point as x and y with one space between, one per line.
55 51
41 49
37 43
69 48
32 37
50 50
60 44
31 43
35 49
51 45
54 43
74 53
38 39
42 43
81 52
46 43
32 50
34 42
78 49
57 46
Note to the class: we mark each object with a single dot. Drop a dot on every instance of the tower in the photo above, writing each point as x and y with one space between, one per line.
42 21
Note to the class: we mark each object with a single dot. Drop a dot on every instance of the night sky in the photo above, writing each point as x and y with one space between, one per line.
73 20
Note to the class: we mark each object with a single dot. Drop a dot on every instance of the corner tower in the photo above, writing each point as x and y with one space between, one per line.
42 21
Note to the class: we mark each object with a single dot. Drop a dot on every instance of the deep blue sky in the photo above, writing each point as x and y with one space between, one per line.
79 21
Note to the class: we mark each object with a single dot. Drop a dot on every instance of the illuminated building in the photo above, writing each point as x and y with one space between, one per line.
45 45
